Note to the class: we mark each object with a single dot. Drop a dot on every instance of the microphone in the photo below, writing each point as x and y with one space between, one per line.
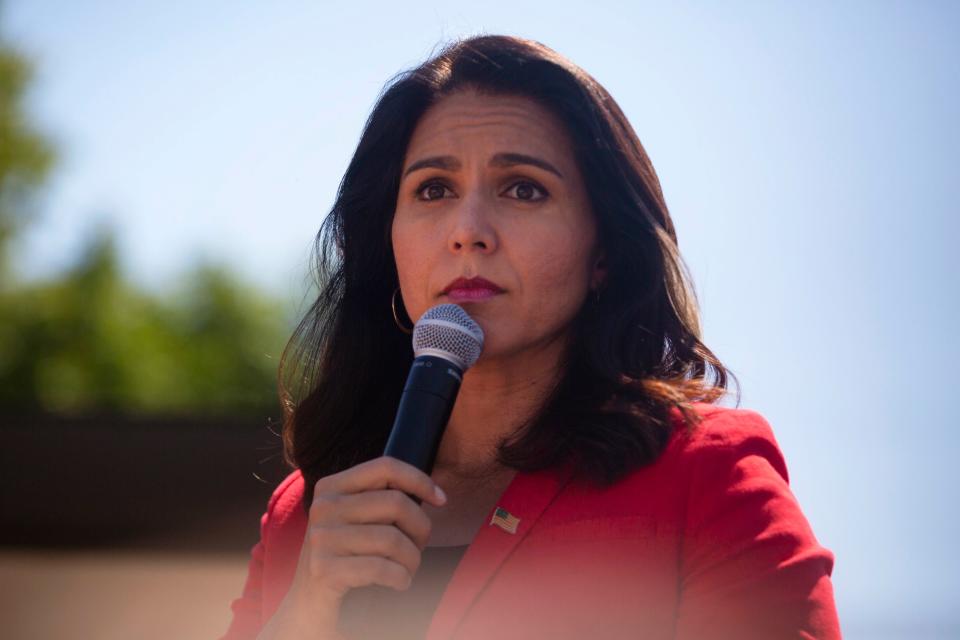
446 342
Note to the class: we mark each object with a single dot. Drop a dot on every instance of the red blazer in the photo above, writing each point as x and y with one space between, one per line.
708 542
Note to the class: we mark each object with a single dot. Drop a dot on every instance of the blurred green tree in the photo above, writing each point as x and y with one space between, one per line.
89 341
26 157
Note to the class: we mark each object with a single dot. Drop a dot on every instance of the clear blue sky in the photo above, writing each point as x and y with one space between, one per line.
808 152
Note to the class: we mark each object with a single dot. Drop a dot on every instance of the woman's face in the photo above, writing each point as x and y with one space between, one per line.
490 190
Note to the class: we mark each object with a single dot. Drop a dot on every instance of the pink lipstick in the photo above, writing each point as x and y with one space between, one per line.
472 289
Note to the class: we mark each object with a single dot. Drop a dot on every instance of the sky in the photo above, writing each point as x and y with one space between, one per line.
807 152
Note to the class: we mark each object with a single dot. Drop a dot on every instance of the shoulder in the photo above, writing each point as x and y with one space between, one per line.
707 460
274 557
722 426
724 434
285 502
735 479
748 554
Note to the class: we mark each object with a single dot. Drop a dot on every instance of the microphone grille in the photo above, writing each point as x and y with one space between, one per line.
448 332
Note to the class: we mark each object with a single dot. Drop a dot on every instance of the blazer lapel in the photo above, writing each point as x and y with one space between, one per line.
525 498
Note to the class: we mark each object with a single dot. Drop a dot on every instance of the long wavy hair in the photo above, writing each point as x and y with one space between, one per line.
637 351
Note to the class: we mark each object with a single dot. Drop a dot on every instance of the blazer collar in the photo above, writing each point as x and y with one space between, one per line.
526 497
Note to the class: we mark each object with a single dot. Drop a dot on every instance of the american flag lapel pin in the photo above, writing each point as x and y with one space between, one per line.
505 520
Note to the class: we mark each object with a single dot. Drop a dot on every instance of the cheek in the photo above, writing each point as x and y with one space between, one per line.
404 250
561 257
412 268
558 278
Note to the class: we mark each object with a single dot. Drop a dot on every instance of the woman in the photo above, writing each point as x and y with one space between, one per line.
586 484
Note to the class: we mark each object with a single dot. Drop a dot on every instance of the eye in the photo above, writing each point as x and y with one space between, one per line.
433 188
524 191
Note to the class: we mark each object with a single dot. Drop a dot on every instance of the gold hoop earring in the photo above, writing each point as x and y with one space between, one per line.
396 318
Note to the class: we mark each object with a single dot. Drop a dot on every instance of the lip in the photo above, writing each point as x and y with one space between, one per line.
470 289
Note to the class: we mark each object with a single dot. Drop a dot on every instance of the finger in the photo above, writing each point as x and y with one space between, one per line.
349 572
369 540
384 472
384 506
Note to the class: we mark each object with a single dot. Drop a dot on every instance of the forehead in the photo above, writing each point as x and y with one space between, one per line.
467 121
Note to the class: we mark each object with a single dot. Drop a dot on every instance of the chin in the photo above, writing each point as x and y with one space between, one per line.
483 317
494 345
499 348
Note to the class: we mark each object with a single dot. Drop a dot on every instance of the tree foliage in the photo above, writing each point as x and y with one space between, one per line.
88 341
26 157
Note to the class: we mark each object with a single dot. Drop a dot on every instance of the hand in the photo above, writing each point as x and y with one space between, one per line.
364 527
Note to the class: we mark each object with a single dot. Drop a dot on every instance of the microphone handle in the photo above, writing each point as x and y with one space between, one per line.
425 406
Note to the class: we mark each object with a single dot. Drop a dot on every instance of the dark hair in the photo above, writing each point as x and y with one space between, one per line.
637 352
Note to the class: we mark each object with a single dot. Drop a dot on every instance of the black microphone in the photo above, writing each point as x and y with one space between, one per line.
446 342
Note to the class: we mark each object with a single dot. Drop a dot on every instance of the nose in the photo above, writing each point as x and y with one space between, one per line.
472 228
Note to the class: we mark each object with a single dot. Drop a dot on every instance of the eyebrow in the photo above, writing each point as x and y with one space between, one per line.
500 160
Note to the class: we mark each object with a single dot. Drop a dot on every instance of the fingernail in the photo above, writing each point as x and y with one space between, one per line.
441 496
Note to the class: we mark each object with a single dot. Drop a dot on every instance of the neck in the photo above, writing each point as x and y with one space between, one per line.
497 396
